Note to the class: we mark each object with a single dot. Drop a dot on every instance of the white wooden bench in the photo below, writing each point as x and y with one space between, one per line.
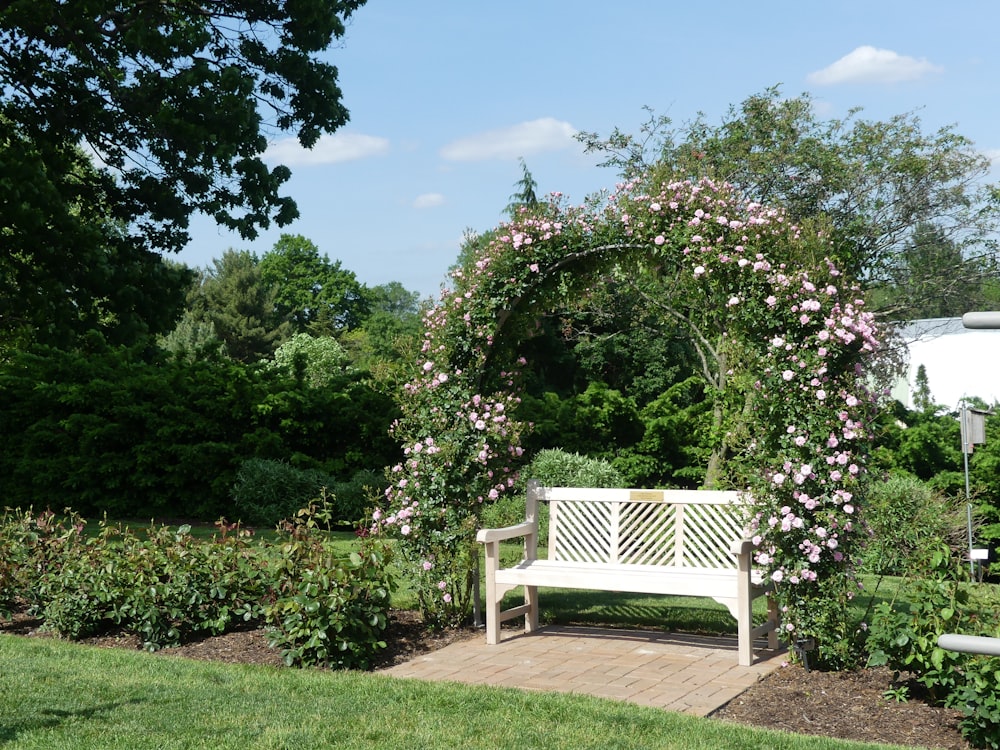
680 542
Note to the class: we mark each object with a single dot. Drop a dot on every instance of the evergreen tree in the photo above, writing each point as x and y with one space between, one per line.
922 400
241 306
524 197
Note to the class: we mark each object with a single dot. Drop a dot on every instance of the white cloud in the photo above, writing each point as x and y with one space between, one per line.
329 149
871 65
428 200
536 136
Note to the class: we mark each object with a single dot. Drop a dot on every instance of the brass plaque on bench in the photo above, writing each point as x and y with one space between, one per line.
646 496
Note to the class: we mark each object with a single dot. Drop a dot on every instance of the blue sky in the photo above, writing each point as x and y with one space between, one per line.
445 95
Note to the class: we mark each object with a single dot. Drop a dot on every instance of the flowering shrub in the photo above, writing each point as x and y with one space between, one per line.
786 336
809 456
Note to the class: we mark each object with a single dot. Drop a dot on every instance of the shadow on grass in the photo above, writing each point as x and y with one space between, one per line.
49 718
624 610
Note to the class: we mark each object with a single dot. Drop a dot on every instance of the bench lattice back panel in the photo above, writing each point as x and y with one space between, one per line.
645 528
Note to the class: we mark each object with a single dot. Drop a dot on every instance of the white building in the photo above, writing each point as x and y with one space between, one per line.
959 362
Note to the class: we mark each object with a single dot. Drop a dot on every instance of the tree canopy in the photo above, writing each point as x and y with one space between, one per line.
314 292
241 306
873 183
120 120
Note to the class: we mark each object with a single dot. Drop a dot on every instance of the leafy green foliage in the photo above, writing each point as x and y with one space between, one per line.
674 448
979 700
241 306
355 497
315 361
313 292
66 266
905 516
906 639
930 277
108 431
553 467
328 611
166 586
266 491
180 128
559 468
589 423
929 446
162 585
877 182
192 339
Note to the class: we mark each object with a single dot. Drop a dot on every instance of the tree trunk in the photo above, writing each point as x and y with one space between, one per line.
713 473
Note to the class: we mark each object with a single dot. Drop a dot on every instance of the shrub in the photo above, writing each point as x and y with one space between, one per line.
165 585
979 700
552 467
136 435
179 586
330 611
905 515
355 498
558 468
906 639
34 546
267 491
78 595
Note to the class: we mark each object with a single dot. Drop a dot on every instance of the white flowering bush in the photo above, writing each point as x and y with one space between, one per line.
789 331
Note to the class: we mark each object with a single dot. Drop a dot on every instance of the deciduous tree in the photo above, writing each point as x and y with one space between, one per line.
874 181
314 292
120 120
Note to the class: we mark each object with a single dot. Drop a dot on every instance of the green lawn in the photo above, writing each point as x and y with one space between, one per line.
64 696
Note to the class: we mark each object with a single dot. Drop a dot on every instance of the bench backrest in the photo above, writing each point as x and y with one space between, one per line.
678 528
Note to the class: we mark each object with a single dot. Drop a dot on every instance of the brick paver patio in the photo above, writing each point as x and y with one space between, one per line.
688 673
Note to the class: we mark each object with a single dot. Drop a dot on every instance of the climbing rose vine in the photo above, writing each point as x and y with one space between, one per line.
791 334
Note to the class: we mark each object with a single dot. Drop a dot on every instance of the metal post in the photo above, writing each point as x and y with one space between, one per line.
964 417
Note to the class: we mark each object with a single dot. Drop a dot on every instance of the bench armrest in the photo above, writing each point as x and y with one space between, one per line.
506 532
741 547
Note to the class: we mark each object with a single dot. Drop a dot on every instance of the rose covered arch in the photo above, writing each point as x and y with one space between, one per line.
788 331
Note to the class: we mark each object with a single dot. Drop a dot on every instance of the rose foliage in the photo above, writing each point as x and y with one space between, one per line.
758 292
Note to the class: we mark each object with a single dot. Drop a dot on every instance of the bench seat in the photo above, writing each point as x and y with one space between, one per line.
639 579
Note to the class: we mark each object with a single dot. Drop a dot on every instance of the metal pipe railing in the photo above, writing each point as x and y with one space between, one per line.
970 644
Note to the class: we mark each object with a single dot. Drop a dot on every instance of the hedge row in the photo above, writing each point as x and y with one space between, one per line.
116 431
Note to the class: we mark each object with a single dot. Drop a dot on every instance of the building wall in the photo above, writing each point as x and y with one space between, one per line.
959 362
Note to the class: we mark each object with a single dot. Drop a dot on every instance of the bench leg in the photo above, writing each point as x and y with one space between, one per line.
744 628
492 616
531 616
493 594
